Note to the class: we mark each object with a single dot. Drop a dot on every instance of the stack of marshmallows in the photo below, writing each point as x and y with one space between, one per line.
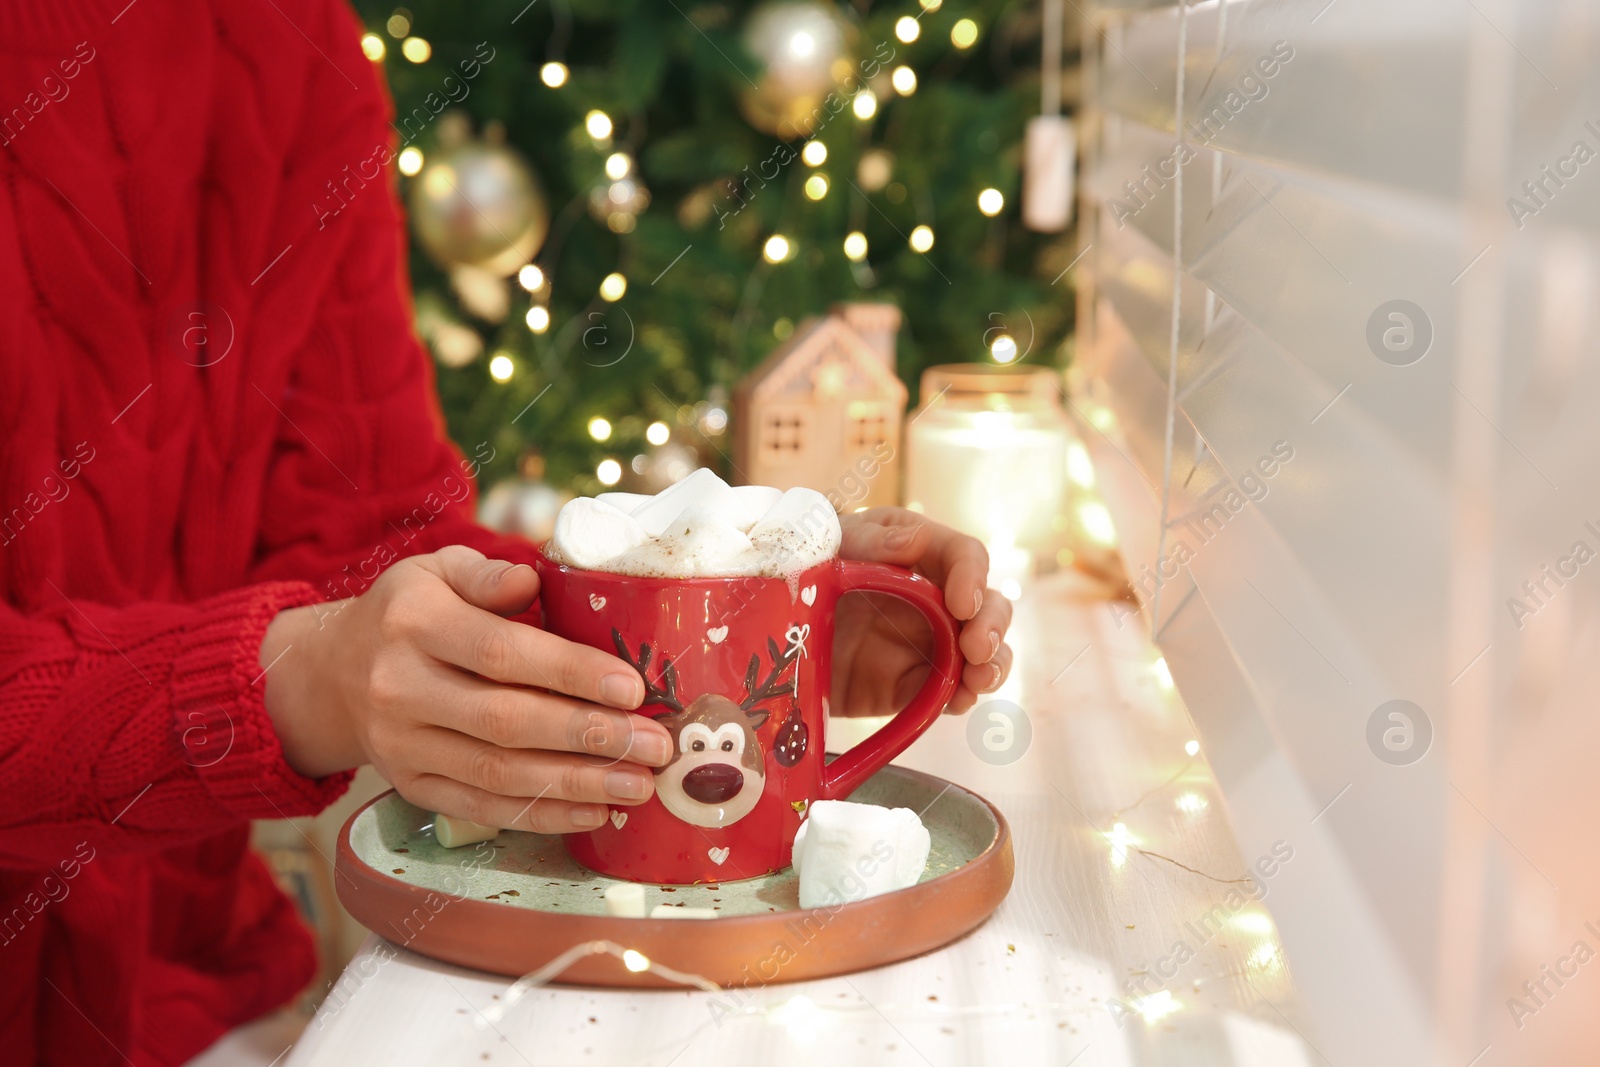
699 528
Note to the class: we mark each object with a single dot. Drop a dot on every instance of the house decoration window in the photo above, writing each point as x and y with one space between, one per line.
784 432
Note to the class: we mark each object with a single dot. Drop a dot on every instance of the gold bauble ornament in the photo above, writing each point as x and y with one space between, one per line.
804 50
479 204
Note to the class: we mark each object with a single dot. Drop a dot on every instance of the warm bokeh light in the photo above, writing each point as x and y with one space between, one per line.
635 961
865 105
1192 747
931 5
991 202
657 433
904 80
531 278
553 74
922 238
1080 471
610 473
598 123
1003 348
855 246
964 34
600 429
501 368
372 46
1163 673
416 49
613 287
410 161
398 25
817 186
538 318
907 28
815 153
776 250
617 165
1096 522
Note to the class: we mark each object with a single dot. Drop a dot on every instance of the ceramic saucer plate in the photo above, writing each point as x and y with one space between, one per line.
513 905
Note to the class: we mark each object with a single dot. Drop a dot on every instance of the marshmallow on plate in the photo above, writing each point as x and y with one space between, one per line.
846 852
452 832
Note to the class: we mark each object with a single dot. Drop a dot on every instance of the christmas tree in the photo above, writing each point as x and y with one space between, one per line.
706 176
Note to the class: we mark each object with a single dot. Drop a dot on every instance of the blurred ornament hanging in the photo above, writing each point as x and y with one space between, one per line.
1051 143
803 47
875 169
454 344
484 293
621 196
478 203
526 505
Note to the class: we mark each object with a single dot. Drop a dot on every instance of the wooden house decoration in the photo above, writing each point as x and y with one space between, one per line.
824 409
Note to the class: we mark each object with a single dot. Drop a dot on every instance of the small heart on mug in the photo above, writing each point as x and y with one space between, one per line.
717 634
809 595
619 819
596 602
717 855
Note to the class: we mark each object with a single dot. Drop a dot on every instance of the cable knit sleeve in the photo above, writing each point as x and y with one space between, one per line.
141 727
363 463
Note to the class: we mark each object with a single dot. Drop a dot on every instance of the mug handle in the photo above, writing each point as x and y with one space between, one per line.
841 777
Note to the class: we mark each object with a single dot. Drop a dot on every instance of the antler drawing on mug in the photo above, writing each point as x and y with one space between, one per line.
653 694
770 687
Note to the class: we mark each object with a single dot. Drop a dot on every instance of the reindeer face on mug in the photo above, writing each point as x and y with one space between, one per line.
718 771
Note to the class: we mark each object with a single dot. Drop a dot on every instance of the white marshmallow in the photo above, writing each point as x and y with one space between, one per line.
702 489
699 528
757 499
799 531
625 900
846 852
629 502
452 832
590 533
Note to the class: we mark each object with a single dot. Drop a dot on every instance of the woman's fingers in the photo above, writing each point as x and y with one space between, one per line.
496 585
531 773
981 635
528 718
542 815
959 564
986 677
515 654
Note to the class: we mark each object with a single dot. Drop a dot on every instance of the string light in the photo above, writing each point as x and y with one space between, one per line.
815 153
538 318
416 49
932 5
907 28
1096 522
1080 471
922 238
610 473
1163 673
1192 747
657 433
991 202
776 250
531 278
501 368
964 34
618 165
613 287
855 246
600 429
865 105
1191 803
598 123
1003 348
635 961
553 74
372 46
904 80
398 25
410 161
817 186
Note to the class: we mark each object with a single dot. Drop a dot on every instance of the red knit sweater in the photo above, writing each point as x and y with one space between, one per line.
159 160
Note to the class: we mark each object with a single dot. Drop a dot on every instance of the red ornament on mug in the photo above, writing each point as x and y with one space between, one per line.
738 670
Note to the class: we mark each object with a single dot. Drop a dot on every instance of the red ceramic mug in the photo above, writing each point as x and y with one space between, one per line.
738 670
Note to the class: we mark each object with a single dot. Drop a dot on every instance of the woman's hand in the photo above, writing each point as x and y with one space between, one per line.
463 711
880 656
